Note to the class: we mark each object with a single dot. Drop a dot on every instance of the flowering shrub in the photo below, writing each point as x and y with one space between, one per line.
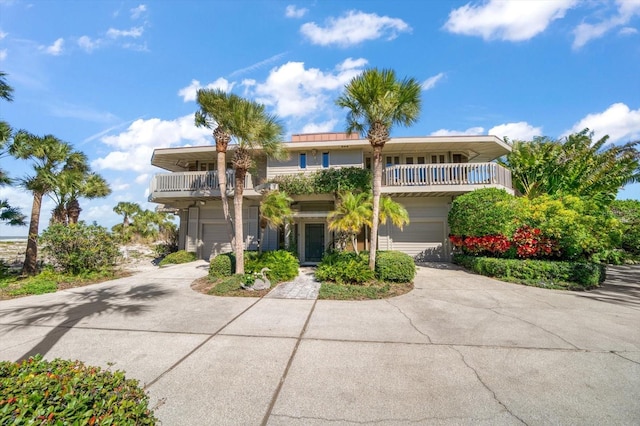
530 243
493 244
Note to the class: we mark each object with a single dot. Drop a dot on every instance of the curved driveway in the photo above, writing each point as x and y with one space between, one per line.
459 349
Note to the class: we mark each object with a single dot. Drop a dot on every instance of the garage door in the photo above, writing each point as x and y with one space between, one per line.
424 241
215 239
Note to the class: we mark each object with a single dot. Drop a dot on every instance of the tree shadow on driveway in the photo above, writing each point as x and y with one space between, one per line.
622 287
79 306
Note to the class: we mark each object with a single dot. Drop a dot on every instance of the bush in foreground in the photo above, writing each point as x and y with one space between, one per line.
283 266
345 267
395 266
181 256
539 273
36 392
223 265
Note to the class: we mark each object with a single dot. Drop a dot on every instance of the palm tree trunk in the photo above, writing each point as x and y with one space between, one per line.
237 213
73 211
222 183
31 256
377 185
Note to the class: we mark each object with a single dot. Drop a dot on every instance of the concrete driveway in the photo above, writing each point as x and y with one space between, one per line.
459 349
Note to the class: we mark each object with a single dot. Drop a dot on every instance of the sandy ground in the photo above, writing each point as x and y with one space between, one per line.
135 257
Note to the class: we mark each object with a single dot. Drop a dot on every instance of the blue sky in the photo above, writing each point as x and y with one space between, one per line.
118 78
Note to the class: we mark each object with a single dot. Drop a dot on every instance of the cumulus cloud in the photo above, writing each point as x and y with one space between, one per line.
87 44
506 20
132 149
621 123
354 28
189 93
323 127
133 32
628 31
297 91
585 32
56 48
472 131
3 34
293 12
431 82
3 54
143 178
136 12
516 131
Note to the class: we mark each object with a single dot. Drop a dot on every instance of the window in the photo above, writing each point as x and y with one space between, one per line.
325 160
303 160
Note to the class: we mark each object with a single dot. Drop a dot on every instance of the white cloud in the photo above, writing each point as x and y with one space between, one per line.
87 44
472 131
293 12
3 34
506 20
618 121
323 127
521 130
296 91
431 82
586 32
257 65
134 32
190 93
628 31
143 178
3 54
133 147
56 48
136 12
354 28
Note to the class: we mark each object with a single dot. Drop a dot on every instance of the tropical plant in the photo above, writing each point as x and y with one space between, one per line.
256 129
8 214
127 210
376 101
352 212
50 157
11 215
628 213
486 211
577 165
275 211
393 211
221 111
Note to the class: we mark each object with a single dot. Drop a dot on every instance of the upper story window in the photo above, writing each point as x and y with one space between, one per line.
325 160
303 160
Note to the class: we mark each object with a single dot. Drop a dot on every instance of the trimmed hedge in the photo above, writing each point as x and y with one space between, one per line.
223 265
345 267
181 256
539 273
395 266
282 264
37 392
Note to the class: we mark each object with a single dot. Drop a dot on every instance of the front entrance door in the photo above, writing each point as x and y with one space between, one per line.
313 242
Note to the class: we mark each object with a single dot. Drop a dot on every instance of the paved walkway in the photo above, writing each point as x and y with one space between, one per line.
458 349
304 286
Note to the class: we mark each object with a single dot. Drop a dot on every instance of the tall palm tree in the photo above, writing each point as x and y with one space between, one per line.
11 215
50 156
128 210
353 211
376 101
256 129
275 211
222 112
71 186
393 211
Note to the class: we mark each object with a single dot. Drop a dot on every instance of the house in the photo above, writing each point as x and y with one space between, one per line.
424 174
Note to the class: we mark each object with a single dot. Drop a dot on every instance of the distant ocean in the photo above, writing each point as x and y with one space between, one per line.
13 238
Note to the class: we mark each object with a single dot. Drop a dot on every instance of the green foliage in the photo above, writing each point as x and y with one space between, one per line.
325 181
37 392
229 286
181 256
539 273
487 211
353 292
80 248
395 266
628 213
282 264
45 282
223 265
344 268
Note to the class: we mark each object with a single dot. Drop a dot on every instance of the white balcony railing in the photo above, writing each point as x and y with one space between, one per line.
447 174
193 182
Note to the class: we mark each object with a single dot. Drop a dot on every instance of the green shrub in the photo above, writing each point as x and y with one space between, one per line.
181 256
628 213
345 268
395 266
223 265
282 264
487 211
325 181
37 392
540 273
79 248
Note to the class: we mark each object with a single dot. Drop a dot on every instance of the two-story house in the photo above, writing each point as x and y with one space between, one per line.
424 174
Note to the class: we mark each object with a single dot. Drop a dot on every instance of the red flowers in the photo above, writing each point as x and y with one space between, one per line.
528 242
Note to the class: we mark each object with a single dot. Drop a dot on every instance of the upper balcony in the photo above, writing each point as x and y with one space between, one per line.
428 179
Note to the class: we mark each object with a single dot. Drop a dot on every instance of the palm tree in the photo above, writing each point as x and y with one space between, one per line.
127 210
275 211
71 186
11 215
353 211
220 110
376 101
50 156
6 91
393 211
256 129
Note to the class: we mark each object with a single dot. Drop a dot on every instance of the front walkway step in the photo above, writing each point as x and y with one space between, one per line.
304 286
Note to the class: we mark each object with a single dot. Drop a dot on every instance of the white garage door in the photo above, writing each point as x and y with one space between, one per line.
215 238
424 241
